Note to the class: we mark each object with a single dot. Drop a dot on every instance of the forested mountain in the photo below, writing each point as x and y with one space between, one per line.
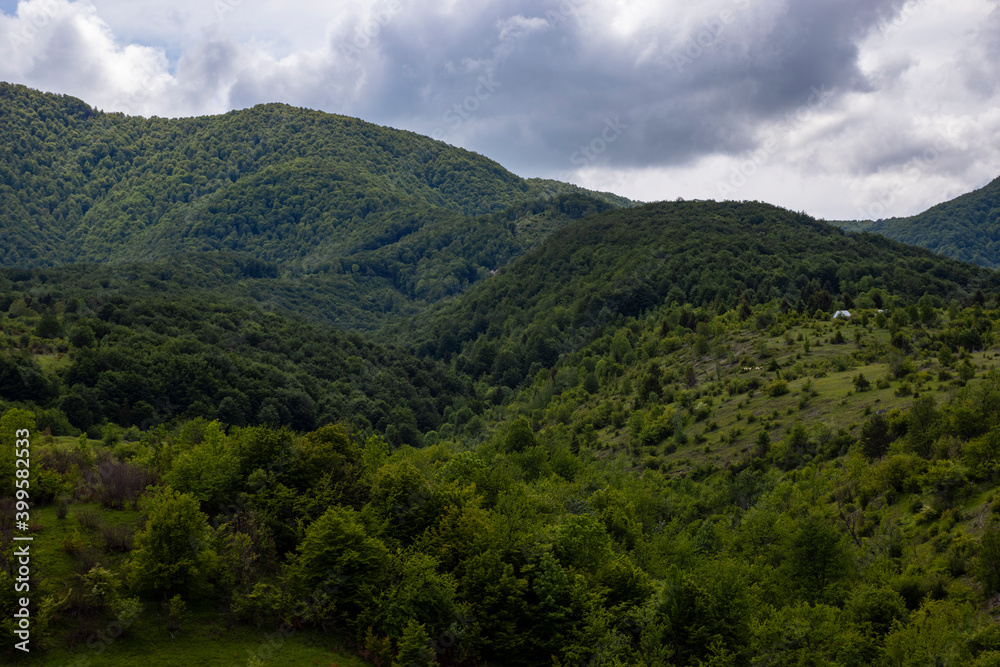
304 189
966 228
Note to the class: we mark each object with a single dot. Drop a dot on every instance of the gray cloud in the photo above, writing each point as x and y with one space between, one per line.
707 95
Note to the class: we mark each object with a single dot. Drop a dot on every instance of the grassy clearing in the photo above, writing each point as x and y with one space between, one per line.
205 641
819 367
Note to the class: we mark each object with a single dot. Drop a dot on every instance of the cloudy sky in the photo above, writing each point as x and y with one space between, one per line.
841 108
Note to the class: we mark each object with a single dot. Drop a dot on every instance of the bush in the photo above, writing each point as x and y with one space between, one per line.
776 388
121 484
177 613
118 537
88 517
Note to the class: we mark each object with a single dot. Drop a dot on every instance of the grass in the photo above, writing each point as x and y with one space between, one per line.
204 640
53 362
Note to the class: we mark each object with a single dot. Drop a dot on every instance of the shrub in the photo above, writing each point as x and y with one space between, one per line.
177 613
118 537
88 517
777 388
73 544
121 483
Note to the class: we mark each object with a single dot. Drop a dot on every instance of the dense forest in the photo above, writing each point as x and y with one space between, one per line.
290 185
357 212
505 423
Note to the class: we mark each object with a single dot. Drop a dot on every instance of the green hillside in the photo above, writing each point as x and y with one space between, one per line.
675 457
966 228
623 262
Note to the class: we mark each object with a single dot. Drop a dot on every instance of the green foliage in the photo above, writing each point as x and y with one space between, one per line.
875 611
414 647
208 470
875 437
519 436
932 636
819 559
173 551
988 561
415 591
15 424
100 587
776 388
177 613
340 559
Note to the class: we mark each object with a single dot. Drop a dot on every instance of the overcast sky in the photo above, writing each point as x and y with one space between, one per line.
841 108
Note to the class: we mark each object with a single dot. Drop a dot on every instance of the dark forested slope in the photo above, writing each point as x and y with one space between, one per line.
151 344
966 228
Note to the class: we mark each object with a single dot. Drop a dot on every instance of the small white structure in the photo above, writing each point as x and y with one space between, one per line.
845 314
